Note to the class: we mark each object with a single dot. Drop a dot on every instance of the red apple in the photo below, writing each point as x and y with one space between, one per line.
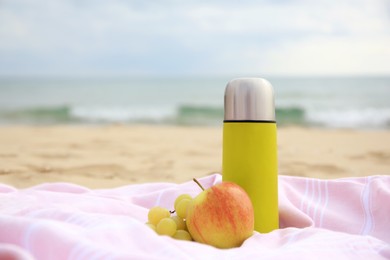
221 216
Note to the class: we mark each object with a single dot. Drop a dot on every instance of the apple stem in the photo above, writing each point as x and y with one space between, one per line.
197 182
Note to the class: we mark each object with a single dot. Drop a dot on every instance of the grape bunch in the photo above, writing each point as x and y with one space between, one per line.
164 222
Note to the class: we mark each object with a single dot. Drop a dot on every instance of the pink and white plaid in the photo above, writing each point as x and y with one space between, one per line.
320 219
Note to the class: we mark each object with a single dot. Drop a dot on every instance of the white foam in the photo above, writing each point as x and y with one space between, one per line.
350 118
123 114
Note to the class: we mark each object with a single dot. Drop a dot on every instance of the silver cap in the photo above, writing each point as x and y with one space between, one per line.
249 99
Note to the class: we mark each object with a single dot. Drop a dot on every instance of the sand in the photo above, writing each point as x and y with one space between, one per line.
117 155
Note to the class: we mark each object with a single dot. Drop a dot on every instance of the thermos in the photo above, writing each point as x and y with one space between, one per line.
250 146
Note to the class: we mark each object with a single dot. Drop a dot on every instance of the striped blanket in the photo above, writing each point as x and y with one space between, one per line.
319 219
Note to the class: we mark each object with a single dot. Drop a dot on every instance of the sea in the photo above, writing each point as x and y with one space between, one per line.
323 102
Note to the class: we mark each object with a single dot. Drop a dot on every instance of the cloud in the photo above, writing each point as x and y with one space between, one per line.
193 37
335 55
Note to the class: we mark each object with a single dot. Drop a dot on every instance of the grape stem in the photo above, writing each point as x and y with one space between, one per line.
197 182
172 211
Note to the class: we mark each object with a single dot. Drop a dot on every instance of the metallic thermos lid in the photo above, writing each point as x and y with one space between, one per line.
249 99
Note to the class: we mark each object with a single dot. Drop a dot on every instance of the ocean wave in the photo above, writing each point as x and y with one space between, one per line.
363 118
290 116
123 114
187 114
56 114
199 115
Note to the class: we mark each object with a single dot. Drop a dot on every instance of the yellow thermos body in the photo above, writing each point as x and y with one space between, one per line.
250 147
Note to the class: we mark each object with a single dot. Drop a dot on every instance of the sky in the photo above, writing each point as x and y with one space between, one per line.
194 38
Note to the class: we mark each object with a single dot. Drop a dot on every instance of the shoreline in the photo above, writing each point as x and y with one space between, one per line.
108 156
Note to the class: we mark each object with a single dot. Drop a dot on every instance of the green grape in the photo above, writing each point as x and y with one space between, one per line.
151 226
185 226
180 224
181 207
156 214
183 196
182 235
166 226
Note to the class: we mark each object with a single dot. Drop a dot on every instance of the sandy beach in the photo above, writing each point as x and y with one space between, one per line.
116 155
